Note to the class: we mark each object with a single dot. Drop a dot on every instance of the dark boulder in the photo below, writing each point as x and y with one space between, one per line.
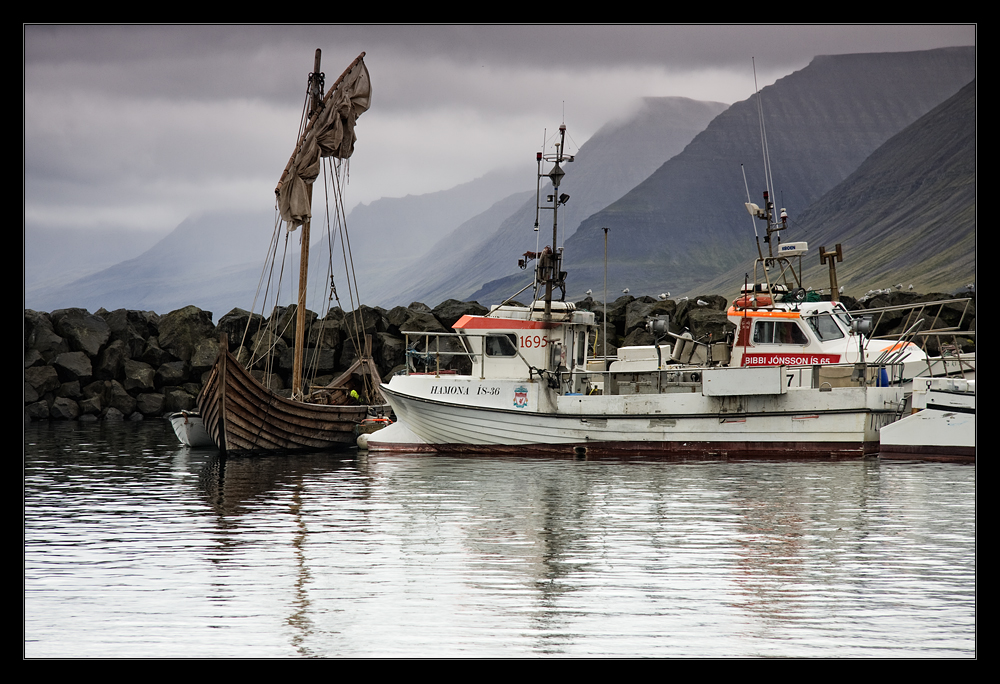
111 361
183 329
206 351
450 311
154 355
150 404
64 409
42 378
238 323
119 398
84 331
132 328
40 336
73 366
171 374
139 376
284 319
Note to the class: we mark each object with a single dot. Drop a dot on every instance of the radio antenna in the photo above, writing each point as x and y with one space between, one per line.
763 133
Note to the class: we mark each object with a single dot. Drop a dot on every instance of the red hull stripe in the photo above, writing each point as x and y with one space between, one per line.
928 453
794 451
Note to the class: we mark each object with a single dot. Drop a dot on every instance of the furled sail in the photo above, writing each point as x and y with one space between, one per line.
330 133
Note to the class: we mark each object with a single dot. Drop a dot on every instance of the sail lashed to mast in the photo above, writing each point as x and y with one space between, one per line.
330 133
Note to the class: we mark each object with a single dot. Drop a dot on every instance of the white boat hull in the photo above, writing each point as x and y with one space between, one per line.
443 413
190 429
944 427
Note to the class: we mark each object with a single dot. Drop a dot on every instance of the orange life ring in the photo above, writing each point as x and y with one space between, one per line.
752 301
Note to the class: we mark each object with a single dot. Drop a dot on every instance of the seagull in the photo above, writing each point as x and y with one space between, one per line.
589 292
663 296
625 291
701 302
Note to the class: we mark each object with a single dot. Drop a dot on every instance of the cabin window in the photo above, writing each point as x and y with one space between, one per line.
581 349
825 327
501 345
841 313
778 332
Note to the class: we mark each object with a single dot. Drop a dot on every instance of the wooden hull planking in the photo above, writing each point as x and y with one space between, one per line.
242 415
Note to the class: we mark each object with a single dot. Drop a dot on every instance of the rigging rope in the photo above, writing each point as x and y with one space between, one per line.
271 250
335 174
357 330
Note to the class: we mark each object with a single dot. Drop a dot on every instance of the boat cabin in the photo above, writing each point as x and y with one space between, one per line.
513 341
518 343
803 334
791 335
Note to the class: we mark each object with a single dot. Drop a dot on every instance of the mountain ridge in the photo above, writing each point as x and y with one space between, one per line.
685 225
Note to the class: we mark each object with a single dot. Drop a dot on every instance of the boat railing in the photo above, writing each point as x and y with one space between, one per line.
916 312
952 360
924 322
822 377
825 377
671 377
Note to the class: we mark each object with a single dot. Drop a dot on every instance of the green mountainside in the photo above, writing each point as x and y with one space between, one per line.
906 216
685 225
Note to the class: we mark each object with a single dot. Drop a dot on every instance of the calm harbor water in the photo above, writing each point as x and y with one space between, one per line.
137 547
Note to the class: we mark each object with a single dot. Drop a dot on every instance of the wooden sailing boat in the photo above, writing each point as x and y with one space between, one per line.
240 413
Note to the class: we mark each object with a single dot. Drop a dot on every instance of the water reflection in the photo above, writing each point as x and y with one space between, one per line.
135 546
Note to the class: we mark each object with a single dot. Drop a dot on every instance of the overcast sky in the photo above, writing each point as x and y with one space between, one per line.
142 126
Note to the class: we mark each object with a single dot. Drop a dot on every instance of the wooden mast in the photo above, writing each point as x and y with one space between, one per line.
316 94
317 102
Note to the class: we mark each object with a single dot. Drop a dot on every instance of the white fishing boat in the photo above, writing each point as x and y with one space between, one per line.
942 427
531 389
797 379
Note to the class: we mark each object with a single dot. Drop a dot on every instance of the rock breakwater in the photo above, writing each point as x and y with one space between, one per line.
127 364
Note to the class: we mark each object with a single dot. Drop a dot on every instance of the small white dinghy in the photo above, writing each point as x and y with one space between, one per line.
190 429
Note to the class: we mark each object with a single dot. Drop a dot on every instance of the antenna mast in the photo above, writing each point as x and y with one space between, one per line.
549 267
